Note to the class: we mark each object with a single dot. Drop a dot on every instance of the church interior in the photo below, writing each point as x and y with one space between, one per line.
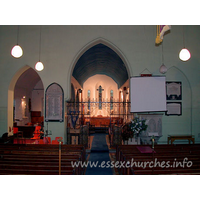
79 106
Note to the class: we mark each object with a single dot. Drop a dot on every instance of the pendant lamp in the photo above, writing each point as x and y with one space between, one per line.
184 54
17 51
163 68
39 65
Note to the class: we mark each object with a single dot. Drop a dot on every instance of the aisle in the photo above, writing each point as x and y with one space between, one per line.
99 156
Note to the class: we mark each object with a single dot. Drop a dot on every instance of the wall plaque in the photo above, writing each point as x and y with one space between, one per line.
174 90
174 108
54 101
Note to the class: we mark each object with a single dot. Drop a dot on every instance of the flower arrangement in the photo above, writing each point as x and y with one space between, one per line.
133 128
137 126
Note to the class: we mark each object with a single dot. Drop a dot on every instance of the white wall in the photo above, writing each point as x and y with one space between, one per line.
93 84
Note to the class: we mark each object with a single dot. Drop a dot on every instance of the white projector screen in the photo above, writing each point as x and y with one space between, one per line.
148 94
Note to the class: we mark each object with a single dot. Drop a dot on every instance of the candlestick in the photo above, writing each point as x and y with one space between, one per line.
153 141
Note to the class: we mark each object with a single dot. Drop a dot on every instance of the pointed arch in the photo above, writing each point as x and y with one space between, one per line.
90 45
54 103
11 97
11 89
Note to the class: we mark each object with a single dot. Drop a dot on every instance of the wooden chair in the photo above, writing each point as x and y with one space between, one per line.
41 141
15 130
17 133
56 141
47 140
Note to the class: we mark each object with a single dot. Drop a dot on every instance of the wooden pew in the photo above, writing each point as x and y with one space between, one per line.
28 171
163 153
163 165
46 148
40 159
38 169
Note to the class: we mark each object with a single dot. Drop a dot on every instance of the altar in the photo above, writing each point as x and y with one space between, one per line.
100 121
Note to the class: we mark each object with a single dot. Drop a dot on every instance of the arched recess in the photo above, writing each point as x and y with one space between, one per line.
87 47
54 103
11 97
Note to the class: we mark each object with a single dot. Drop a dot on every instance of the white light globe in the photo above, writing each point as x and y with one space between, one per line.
39 66
163 69
16 51
184 54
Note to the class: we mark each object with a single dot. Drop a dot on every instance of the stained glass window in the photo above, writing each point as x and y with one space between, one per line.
100 97
88 96
111 99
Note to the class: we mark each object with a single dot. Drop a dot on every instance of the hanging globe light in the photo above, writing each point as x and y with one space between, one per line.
17 51
39 66
163 69
184 54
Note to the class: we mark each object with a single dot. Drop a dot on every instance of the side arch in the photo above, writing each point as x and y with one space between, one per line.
11 89
11 97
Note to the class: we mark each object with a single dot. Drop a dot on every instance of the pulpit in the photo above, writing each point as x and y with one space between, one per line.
154 129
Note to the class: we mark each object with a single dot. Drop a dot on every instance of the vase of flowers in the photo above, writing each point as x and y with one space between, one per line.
132 130
137 126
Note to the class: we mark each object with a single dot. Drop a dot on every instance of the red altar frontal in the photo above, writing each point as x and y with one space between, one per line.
102 121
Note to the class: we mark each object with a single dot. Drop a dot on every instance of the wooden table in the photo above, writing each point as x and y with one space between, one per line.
172 138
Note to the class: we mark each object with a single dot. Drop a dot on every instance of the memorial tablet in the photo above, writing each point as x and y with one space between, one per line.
174 90
54 103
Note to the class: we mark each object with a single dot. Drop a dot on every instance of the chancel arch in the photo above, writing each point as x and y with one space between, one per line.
90 49
101 70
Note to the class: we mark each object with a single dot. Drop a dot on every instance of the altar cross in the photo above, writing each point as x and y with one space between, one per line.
100 89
